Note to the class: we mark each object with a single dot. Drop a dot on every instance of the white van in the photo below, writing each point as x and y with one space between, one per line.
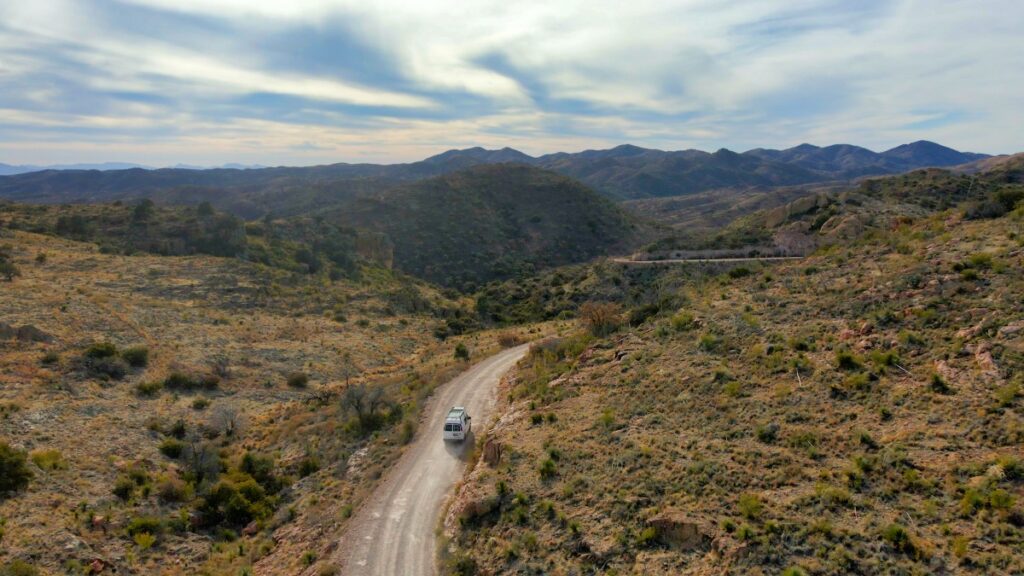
457 424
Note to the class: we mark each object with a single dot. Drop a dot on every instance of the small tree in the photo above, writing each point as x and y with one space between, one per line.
8 270
365 402
601 318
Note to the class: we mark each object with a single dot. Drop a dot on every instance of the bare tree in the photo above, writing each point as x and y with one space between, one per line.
226 420
365 402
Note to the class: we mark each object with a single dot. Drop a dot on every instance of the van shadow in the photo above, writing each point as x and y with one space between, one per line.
461 450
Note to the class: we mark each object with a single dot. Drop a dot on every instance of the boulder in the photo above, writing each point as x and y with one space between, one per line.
492 452
679 532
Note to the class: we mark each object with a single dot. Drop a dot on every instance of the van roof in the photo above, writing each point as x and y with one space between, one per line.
455 413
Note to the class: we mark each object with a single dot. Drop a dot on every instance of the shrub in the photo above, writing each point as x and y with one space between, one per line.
8 271
144 525
938 385
14 472
148 389
750 506
647 537
548 469
172 448
124 487
101 350
173 489
846 360
739 272
200 403
898 537
298 380
49 460
144 540
19 568
309 465
50 358
683 321
461 352
768 433
708 342
136 356
601 318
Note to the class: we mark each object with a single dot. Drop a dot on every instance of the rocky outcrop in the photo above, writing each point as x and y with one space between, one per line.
678 531
26 333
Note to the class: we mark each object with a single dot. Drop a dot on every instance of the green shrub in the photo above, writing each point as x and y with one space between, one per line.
124 487
19 568
308 465
647 537
49 460
148 389
14 472
739 272
750 506
767 433
101 350
548 469
899 538
172 448
683 321
144 525
708 342
136 356
49 358
846 360
298 380
144 540
461 352
938 385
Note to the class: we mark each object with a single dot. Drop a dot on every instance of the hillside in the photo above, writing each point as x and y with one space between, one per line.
623 172
185 414
492 222
859 411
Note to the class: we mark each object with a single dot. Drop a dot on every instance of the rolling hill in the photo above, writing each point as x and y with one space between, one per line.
491 222
623 172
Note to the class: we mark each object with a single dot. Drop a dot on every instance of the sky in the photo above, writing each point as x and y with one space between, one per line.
299 82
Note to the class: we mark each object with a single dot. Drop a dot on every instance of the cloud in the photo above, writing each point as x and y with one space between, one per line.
213 81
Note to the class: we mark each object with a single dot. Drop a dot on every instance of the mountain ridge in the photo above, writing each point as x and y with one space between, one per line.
624 172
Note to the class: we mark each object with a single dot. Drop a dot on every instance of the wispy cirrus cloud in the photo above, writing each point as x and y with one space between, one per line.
211 81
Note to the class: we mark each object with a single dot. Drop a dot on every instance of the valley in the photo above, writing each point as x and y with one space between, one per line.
816 379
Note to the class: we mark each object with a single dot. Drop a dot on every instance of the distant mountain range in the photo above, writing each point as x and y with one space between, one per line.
623 172
11 169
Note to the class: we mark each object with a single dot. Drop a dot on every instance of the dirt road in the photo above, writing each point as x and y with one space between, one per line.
393 533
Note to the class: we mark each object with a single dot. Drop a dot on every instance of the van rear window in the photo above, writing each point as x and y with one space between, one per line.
449 427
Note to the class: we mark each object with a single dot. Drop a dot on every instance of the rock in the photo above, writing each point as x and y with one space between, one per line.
1012 329
969 332
866 328
729 549
983 357
846 334
251 529
492 452
677 531
99 523
26 333
97 566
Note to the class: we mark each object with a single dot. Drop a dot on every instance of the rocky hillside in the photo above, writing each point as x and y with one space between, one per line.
859 411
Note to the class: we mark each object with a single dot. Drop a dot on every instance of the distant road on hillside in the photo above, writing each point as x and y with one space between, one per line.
393 533
698 260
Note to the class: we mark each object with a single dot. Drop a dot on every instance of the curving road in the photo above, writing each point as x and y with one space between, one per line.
393 533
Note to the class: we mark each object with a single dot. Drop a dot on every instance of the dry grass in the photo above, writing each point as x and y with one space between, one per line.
750 429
